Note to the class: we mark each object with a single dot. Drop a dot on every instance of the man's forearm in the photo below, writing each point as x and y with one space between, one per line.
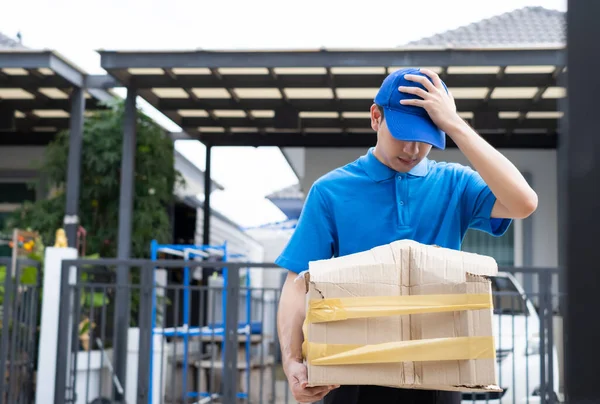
290 317
504 179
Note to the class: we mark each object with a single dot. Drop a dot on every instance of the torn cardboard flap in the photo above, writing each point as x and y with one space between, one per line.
406 276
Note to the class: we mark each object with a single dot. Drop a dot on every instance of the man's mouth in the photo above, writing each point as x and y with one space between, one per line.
406 161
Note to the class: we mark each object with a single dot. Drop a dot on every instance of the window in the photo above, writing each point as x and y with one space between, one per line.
502 249
16 192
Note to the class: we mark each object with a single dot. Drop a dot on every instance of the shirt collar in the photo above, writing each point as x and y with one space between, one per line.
378 171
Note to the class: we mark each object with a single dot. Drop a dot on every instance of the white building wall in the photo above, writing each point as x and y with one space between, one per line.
540 164
296 159
273 242
21 157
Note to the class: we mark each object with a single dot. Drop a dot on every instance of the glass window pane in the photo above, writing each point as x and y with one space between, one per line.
502 249
16 192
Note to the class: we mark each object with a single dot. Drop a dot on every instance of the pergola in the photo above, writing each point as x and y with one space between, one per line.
321 98
36 94
42 93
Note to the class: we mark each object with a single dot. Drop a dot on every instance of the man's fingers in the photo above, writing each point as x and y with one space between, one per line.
313 391
418 91
437 82
312 394
422 80
416 103
320 396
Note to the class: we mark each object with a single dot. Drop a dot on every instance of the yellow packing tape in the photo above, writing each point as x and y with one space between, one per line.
324 310
439 349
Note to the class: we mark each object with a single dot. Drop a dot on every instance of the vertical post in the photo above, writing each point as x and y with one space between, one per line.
231 335
582 166
550 337
207 191
71 219
528 245
124 238
52 348
153 302
544 349
54 352
145 336
561 176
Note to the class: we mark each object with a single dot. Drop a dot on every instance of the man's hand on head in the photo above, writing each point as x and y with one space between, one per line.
438 102
515 199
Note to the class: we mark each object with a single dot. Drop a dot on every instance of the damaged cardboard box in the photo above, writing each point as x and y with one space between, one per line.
405 315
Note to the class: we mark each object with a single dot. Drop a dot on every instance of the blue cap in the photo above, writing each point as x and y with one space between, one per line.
407 122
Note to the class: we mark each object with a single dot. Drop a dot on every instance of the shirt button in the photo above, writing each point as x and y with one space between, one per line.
401 202
399 177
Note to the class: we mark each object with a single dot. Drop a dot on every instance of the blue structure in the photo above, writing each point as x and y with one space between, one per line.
185 331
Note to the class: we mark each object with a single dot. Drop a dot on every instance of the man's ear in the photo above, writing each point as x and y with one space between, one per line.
376 118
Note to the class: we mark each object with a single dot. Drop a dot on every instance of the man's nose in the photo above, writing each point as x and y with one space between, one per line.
411 148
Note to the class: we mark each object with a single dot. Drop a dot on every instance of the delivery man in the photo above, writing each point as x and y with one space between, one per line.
394 192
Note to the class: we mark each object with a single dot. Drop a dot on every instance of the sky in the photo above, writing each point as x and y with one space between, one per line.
77 29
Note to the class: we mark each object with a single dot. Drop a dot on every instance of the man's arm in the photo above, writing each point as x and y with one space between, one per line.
290 317
515 199
312 240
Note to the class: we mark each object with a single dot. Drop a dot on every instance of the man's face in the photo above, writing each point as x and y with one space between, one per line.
398 155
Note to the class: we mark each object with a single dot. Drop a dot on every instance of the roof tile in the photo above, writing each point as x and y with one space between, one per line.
525 27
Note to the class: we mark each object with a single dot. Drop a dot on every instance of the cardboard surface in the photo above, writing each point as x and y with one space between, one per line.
404 268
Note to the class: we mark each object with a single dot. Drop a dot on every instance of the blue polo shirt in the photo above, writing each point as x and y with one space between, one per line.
366 204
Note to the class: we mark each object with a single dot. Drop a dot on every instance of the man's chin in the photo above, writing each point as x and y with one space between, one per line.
404 166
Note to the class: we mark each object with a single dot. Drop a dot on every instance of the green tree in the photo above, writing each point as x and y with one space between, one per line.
155 179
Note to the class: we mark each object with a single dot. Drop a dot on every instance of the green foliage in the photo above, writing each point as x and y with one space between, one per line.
155 179
28 277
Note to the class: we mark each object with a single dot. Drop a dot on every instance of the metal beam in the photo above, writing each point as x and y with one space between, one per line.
66 70
124 237
102 81
101 95
24 59
43 59
14 138
71 219
582 168
353 105
332 58
31 104
341 80
518 141
207 192
65 73
363 123
60 123
29 82
151 98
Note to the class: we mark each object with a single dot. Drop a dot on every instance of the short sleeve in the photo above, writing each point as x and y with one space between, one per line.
478 202
313 238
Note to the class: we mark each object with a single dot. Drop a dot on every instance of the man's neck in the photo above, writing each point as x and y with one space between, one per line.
379 157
